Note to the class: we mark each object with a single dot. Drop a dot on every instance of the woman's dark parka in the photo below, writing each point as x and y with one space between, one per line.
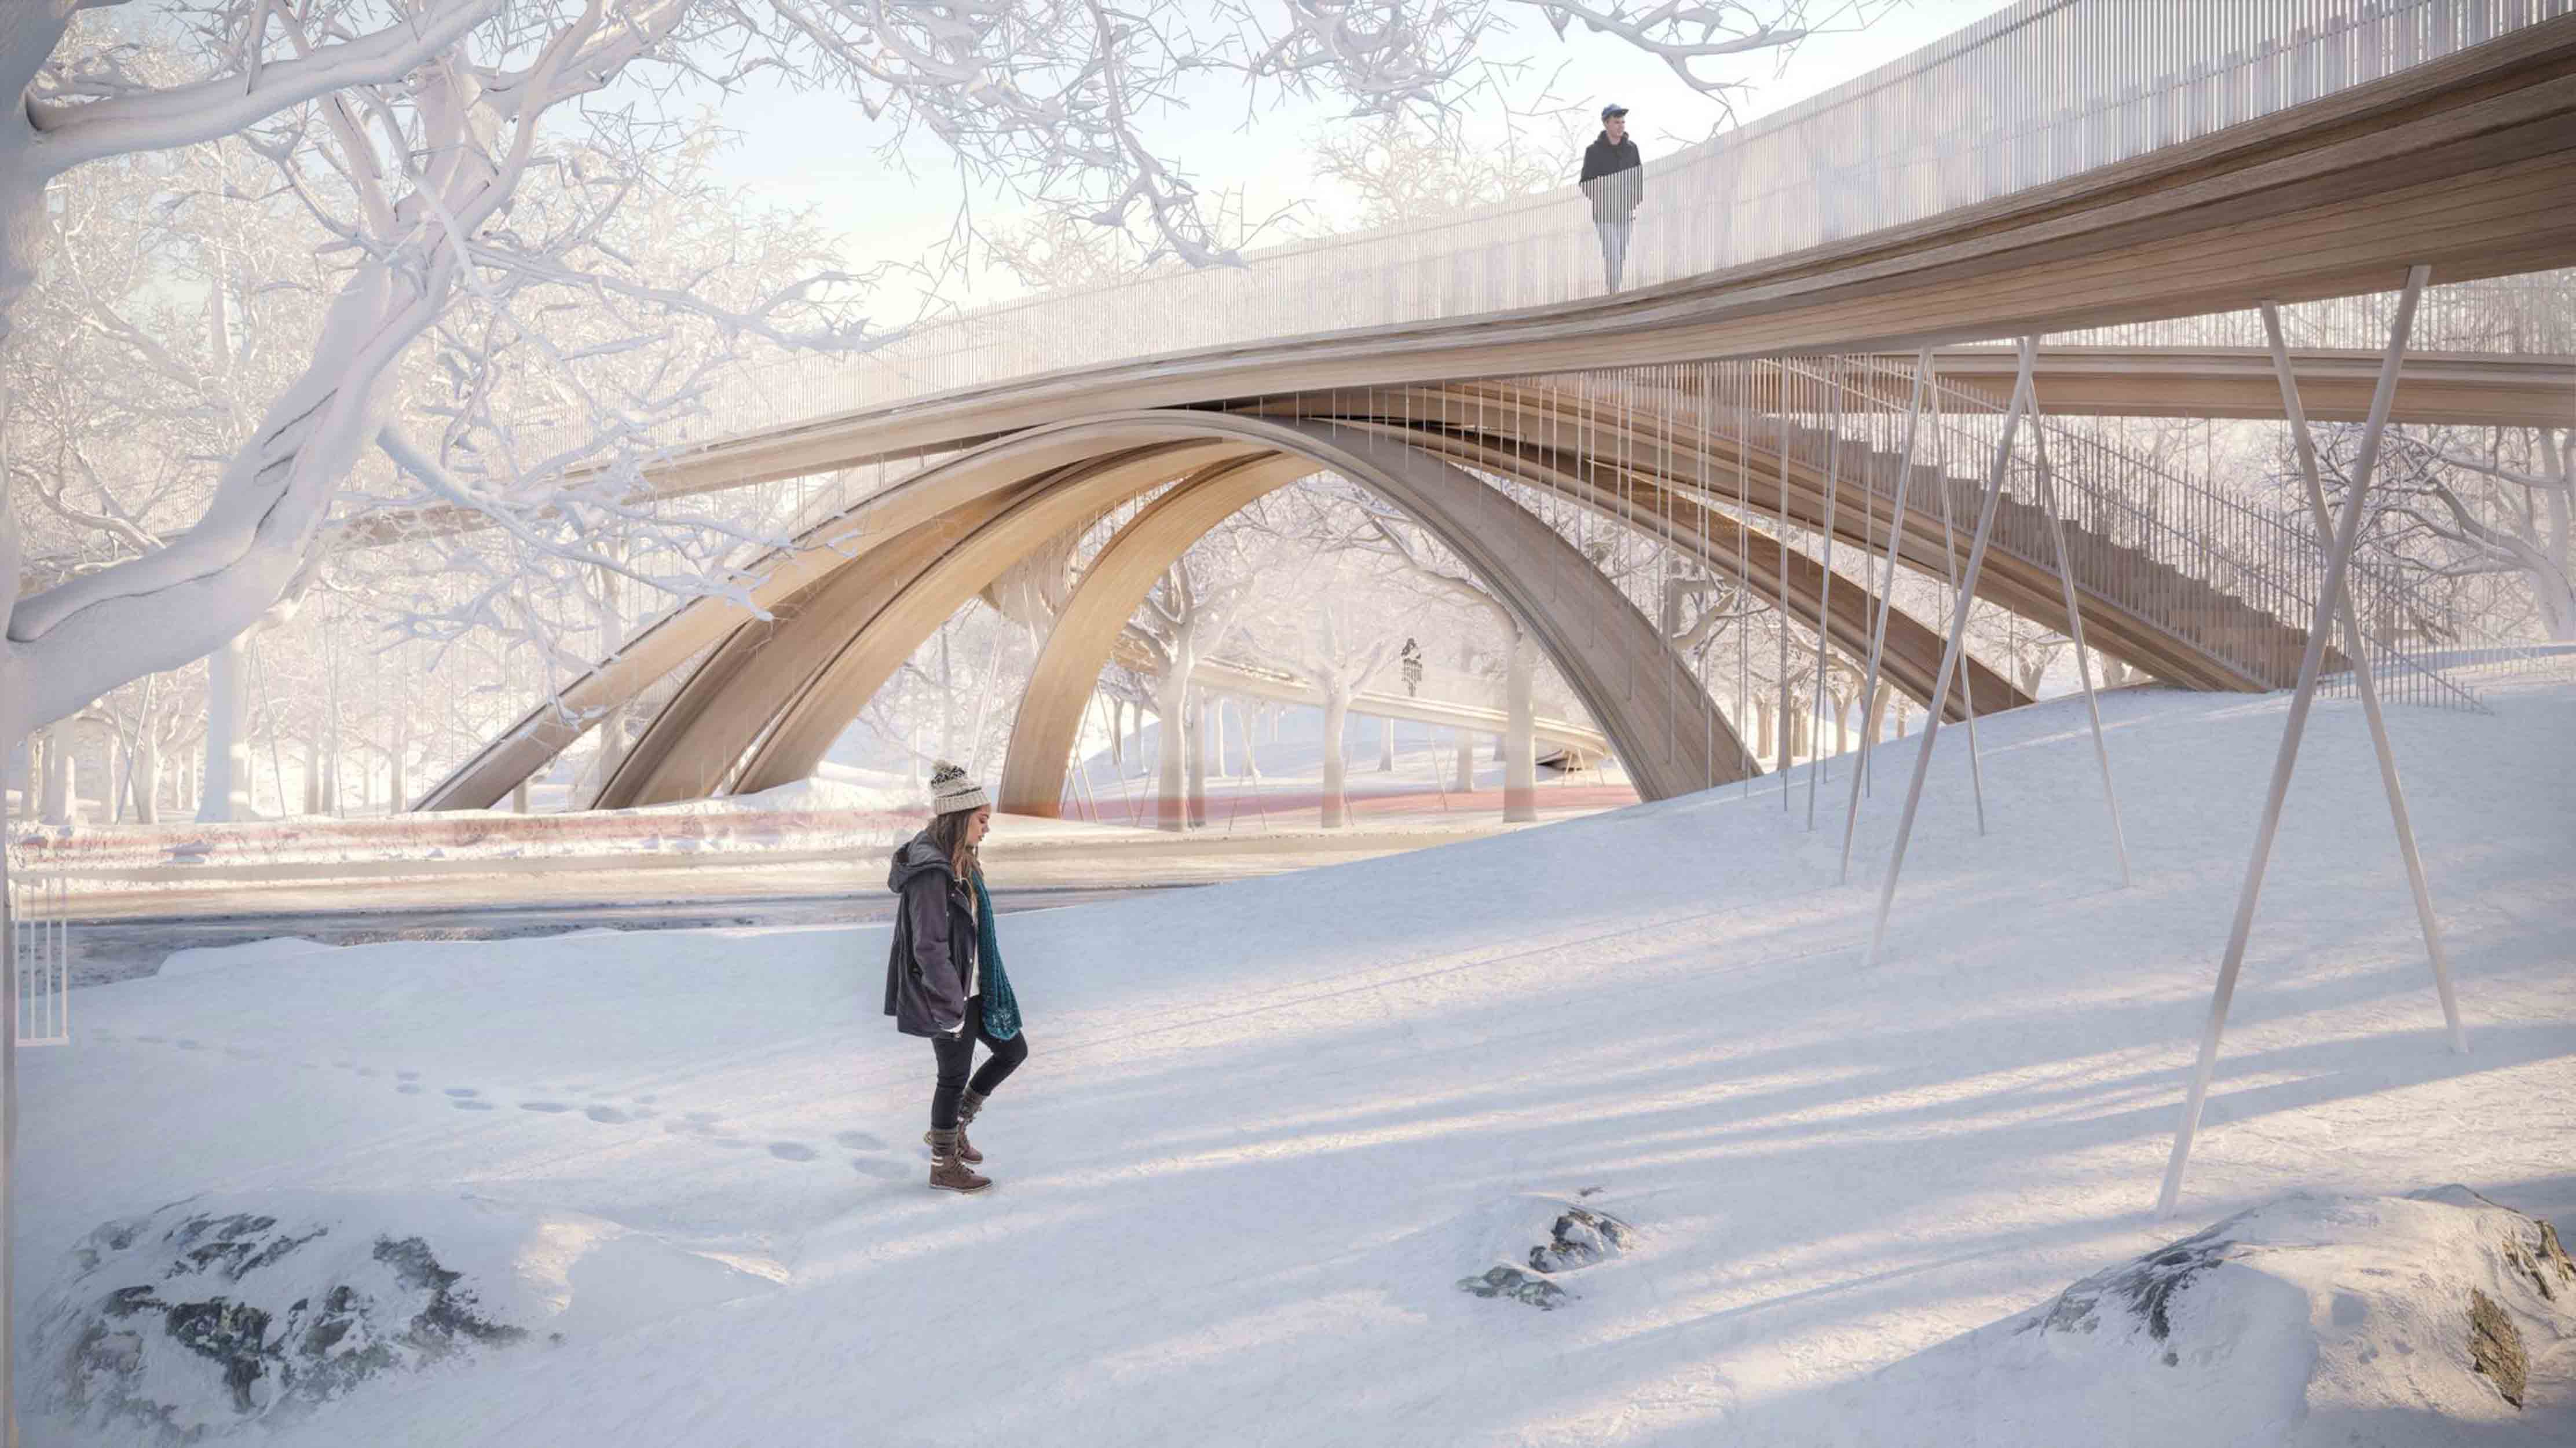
934 941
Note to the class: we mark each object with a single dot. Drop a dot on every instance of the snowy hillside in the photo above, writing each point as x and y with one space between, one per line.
1268 1128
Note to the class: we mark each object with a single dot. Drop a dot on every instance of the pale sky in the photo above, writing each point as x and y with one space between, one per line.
808 150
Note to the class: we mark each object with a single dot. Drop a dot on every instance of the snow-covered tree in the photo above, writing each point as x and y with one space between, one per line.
412 128
2498 503
1185 620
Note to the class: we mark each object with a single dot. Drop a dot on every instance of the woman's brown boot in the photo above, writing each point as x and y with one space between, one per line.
947 1172
966 1109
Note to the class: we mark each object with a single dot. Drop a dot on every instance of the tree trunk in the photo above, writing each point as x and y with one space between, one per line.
147 776
519 798
1171 760
608 753
398 764
1195 738
227 737
312 777
1465 772
1117 735
1788 731
1337 713
1520 744
62 776
948 720
1386 746
28 35
1219 765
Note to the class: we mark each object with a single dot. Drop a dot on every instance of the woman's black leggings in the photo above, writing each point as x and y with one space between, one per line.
957 1052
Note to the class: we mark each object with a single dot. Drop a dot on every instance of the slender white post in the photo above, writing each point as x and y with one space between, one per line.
2368 687
1886 589
2311 663
1967 690
1825 595
1950 654
2075 625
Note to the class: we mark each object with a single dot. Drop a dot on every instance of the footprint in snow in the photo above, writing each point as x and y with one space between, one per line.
186 1044
607 1115
155 1040
858 1141
880 1168
406 1075
791 1151
410 1088
366 1070
241 1053
461 1091
465 1105
548 1107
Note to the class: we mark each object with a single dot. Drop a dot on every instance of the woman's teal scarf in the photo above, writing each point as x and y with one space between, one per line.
1001 1008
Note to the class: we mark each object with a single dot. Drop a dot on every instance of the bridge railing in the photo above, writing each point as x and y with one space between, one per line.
2533 315
2034 94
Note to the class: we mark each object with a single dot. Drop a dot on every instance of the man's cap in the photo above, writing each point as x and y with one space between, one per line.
1613 109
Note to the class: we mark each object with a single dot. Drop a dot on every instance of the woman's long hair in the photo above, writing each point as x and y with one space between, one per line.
948 832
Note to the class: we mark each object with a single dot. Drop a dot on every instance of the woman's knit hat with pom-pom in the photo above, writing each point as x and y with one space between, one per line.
951 791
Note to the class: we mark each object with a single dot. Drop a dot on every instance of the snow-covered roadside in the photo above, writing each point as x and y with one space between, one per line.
807 818
1268 1126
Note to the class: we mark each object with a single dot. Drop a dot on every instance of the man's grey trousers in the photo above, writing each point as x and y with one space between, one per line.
1614 249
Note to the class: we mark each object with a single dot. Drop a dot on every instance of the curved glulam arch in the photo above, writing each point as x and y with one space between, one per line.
856 594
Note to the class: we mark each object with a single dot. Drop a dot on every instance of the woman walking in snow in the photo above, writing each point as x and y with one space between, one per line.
944 979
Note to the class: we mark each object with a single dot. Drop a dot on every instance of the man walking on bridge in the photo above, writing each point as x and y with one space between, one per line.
1615 179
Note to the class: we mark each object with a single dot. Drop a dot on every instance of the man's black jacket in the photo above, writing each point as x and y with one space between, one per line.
1616 165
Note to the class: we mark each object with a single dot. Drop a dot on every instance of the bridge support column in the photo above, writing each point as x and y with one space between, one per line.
2355 649
1967 676
2330 606
1957 645
1833 494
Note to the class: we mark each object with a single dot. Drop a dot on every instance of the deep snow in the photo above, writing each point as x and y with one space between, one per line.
1268 1126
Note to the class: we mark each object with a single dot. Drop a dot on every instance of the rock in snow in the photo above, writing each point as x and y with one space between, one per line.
214 1314
1579 1238
2310 1320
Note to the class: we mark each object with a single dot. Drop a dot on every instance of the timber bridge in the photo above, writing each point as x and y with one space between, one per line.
1804 393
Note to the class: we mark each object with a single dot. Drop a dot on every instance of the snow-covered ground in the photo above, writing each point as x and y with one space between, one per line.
1268 1127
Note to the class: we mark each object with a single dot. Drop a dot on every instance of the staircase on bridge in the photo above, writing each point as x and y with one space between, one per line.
2259 648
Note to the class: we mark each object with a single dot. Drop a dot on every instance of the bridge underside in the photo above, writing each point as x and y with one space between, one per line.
2462 164
863 591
